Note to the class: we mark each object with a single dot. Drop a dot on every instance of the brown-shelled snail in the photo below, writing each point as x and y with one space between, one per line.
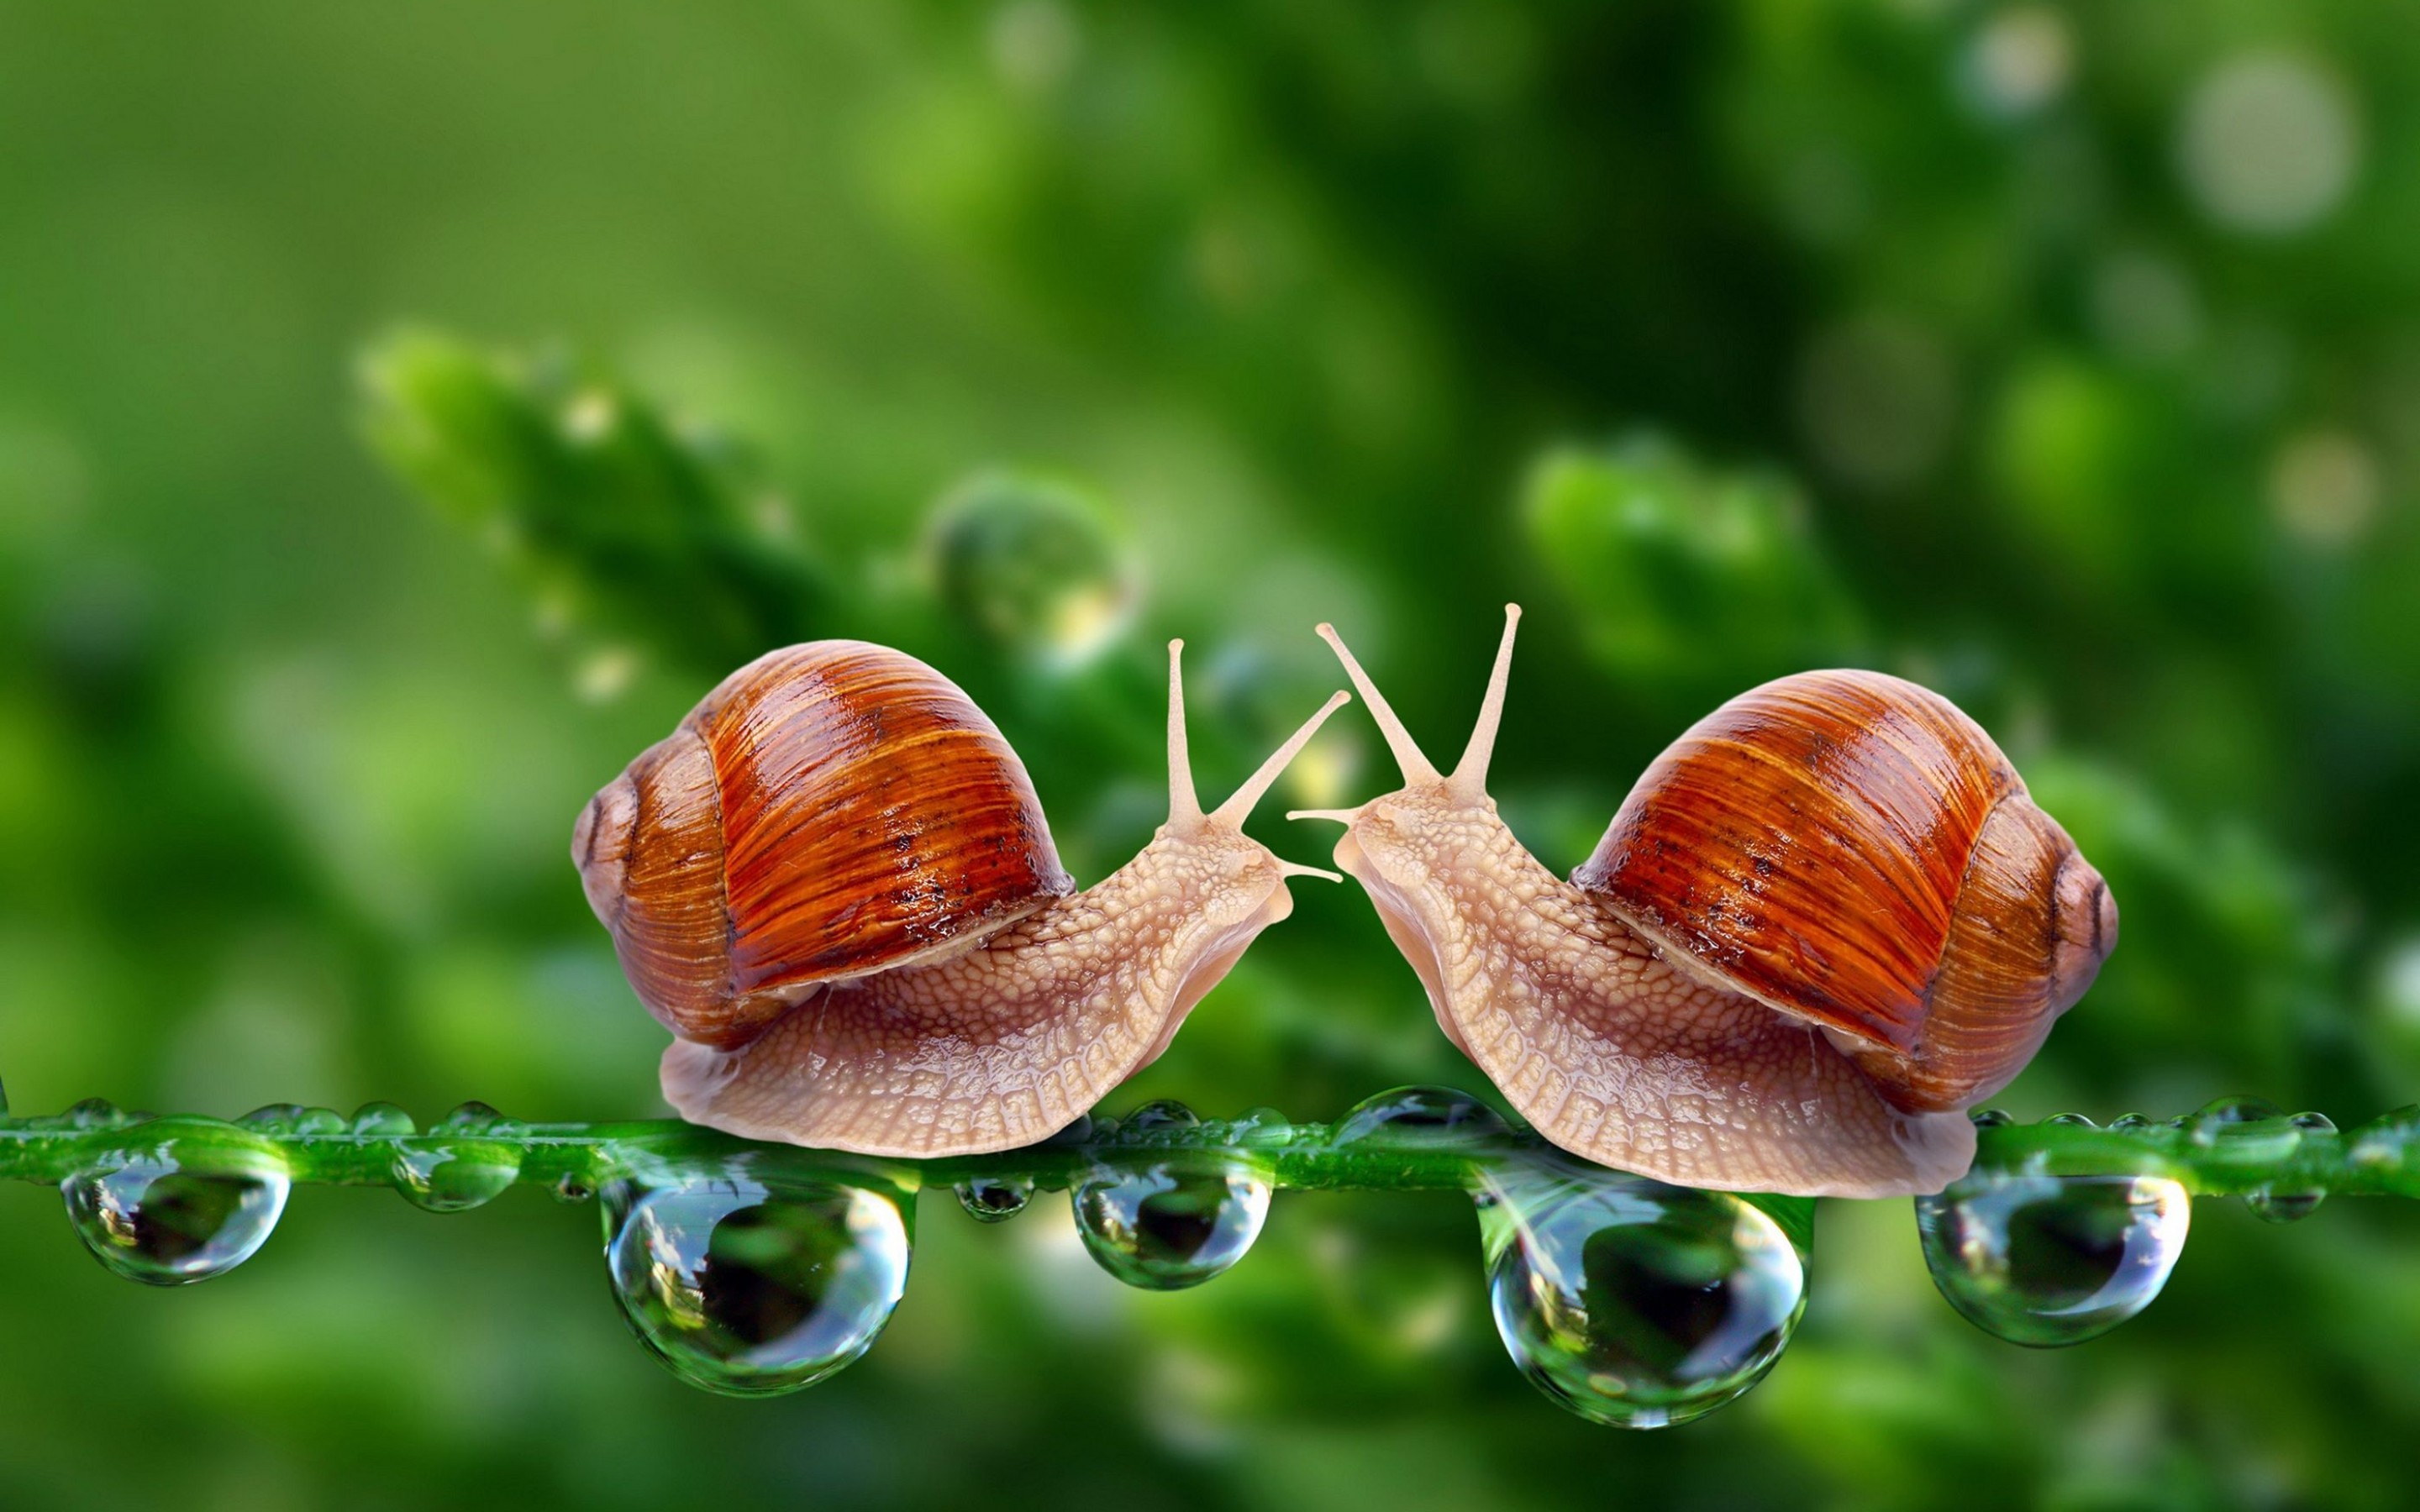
1826 919
834 884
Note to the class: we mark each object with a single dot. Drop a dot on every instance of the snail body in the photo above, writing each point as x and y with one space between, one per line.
1826 921
834 884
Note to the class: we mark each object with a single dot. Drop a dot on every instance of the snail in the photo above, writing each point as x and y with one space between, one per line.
1825 921
834 884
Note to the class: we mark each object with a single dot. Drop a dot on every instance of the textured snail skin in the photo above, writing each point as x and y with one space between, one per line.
1826 921
834 886
1605 1045
1006 1043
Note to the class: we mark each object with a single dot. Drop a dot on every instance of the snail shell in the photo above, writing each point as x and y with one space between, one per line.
831 810
1850 849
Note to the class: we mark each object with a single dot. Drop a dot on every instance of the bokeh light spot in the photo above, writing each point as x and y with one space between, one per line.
2269 144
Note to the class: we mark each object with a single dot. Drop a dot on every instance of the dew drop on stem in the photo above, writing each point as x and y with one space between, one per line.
453 1175
1171 1223
751 1284
993 1199
2047 1260
177 1210
1631 1303
1419 1115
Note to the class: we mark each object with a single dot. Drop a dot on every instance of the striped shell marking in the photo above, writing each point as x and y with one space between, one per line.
1852 849
864 815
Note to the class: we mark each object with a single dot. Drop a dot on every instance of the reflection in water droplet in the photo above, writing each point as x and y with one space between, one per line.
2271 1205
454 1175
1263 1127
993 1199
1419 1113
1990 1117
377 1118
749 1286
1165 1115
472 1117
2048 1260
1171 1225
1633 1302
177 1210
2250 1129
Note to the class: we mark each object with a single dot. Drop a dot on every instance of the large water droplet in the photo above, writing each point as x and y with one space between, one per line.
1172 1223
1418 1113
179 1210
750 1286
2052 1259
1633 1302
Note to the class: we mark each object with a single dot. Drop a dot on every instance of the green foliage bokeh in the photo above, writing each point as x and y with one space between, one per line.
2066 358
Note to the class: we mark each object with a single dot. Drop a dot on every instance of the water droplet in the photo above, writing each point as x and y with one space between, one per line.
179 1209
450 1176
293 1118
1419 1115
2051 1260
1035 564
1633 1302
752 1285
1171 1225
1160 1117
1263 1128
2130 1121
2072 1121
2249 1128
572 1186
2283 1204
1990 1117
472 1117
994 1200
380 1119
94 1112
2269 1204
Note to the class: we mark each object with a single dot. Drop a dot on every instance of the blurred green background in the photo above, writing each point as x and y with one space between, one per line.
2066 358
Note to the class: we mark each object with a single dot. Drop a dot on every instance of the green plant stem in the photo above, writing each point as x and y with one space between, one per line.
2208 1157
